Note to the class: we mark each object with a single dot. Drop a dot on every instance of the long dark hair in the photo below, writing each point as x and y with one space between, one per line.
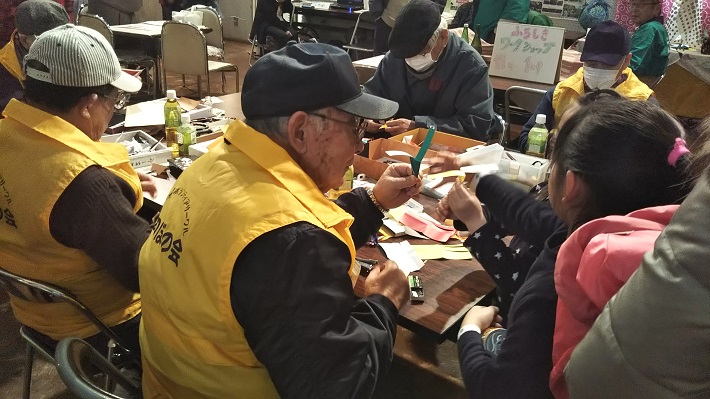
620 150
700 148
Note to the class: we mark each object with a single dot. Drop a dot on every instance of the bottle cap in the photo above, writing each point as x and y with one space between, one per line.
171 94
465 25
185 118
541 119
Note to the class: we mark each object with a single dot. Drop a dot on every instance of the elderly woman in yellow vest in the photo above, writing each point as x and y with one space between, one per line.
606 61
247 280
68 201
32 18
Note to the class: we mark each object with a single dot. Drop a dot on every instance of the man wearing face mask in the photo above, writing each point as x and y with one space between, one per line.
606 61
32 18
437 78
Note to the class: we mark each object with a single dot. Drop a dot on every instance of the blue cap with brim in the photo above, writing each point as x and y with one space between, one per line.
607 42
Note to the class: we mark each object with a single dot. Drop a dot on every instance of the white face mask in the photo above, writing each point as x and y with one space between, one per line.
420 62
596 78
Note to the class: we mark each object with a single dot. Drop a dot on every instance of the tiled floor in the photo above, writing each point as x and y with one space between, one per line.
402 381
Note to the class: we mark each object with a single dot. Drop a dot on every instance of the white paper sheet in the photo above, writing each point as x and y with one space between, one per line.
403 255
149 113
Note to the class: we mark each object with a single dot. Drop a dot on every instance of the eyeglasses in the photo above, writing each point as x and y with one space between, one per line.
641 5
120 100
358 129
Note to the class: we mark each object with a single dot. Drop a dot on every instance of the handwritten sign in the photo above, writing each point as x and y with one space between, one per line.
527 52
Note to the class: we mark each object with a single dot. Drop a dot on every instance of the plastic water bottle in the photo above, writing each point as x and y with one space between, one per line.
476 43
464 34
186 135
537 137
172 122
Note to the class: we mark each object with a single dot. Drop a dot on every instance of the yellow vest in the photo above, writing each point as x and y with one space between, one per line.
192 344
41 155
8 59
570 89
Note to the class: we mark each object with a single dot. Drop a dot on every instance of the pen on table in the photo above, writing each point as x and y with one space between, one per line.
155 145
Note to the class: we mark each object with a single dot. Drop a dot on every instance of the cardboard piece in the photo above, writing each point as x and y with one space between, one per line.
527 52
375 164
366 68
570 63
440 142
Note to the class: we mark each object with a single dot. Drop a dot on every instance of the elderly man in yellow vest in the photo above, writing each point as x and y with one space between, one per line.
606 60
67 212
32 18
247 280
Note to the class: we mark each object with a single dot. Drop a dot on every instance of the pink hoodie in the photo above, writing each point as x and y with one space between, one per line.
592 265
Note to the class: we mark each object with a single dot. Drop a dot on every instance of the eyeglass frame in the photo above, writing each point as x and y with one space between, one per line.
120 100
359 128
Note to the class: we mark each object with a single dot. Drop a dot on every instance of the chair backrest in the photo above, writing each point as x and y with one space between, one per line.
77 361
96 23
211 19
80 7
38 291
524 97
184 49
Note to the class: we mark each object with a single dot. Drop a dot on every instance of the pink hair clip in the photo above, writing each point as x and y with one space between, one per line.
679 149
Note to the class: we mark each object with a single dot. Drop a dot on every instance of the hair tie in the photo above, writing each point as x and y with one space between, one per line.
679 149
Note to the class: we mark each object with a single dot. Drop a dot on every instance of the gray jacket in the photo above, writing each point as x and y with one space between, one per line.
457 97
653 338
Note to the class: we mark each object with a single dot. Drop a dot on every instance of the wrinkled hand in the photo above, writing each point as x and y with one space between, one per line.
388 280
147 184
396 186
463 205
397 126
483 317
445 161
372 126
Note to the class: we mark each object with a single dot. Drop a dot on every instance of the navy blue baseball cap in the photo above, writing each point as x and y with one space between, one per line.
413 28
607 42
306 77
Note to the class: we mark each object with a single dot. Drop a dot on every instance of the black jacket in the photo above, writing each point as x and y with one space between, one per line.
521 369
265 16
291 293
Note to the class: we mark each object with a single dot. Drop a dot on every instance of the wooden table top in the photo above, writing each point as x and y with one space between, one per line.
147 29
451 288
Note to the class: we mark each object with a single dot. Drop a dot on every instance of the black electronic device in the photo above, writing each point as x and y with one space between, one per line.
352 5
179 164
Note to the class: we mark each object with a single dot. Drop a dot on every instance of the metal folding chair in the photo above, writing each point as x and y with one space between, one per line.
37 291
184 50
77 362
522 97
355 44
125 57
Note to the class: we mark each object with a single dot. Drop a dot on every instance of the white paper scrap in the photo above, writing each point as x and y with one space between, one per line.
394 153
403 255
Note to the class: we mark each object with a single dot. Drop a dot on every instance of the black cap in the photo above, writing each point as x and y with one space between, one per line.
607 42
306 77
34 17
413 28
